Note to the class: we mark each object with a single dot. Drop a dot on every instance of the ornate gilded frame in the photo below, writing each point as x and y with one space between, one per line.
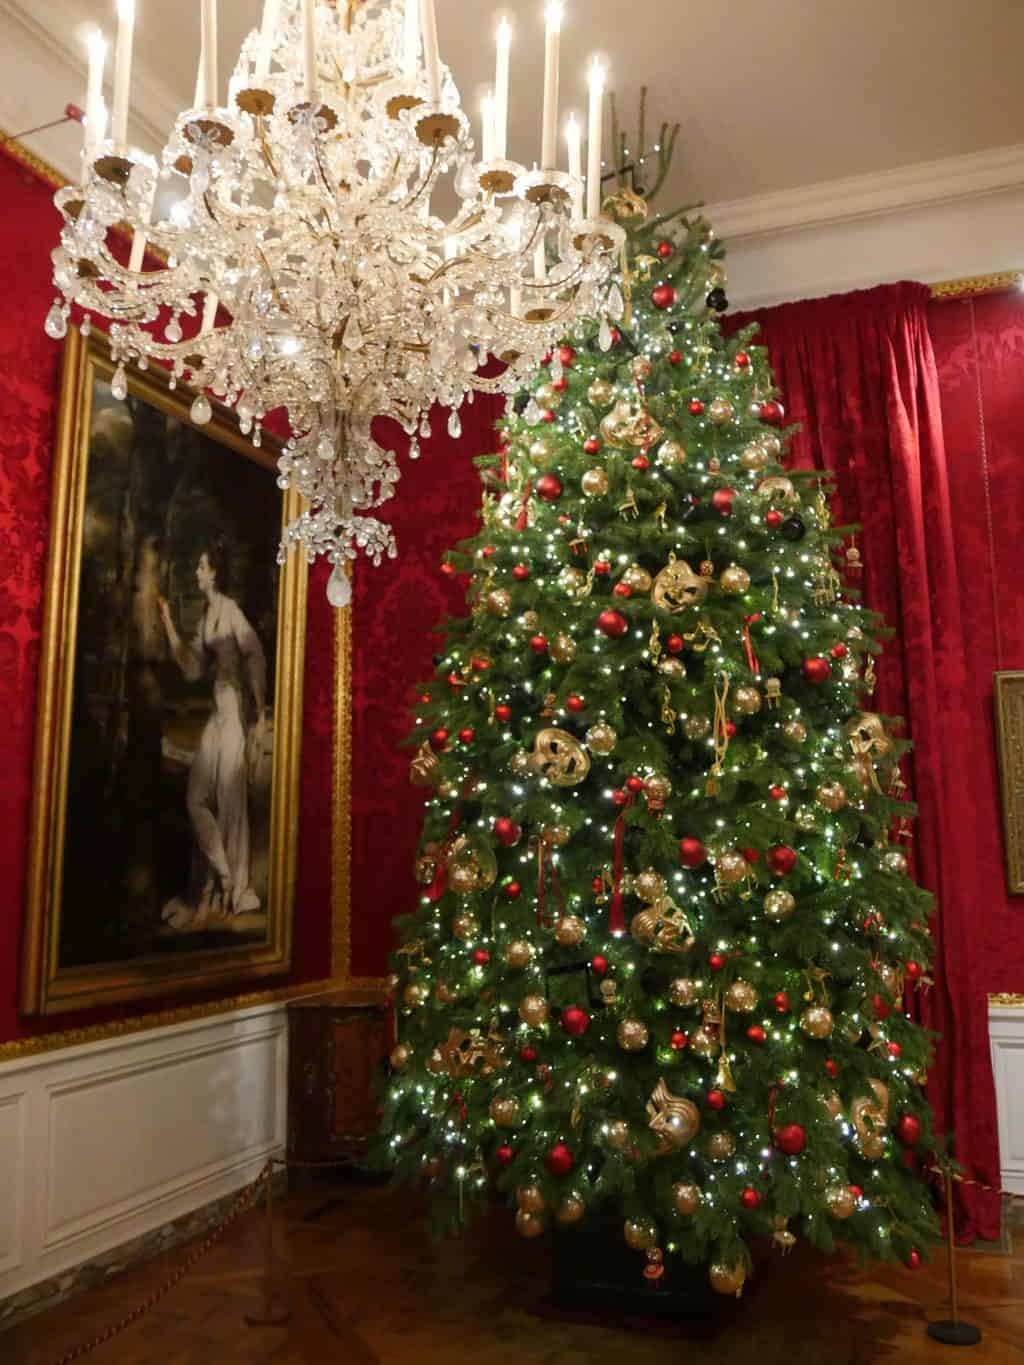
1009 704
47 987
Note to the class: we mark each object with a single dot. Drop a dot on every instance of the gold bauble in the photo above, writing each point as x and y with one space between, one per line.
637 578
518 954
530 621
533 1009
754 456
570 930
600 393
632 1035
531 1198
721 1145
778 906
618 1135
697 727
499 602
556 835
594 483
741 997
704 1043
832 795
414 995
889 977
747 701
720 411
840 1202
400 1055
547 396
504 1111
641 1236
683 991
571 580
465 927
795 731
436 1063
672 668
527 1225
641 368
562 648
520 764
772 445
734 579
649 885
817 1022
804 818
727 1279
685 1198
671 455
462 879
540 451
731 867
571 1209
895 861
601 738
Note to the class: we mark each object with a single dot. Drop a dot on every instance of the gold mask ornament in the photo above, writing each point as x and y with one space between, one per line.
559 757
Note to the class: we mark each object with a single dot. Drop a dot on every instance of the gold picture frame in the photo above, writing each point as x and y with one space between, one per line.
1009 704
49 985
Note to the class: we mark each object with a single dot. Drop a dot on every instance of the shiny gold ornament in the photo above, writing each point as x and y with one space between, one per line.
626 428
572 581
518 954
833 1104
663 927
618 1135
741 997
530 1198
704 1043
717 275
697 727
570 930
556 835
471 865
772 445
817 1022
547 396
731 868
425 769
721 1145
520 764
727 1279
678 587
795 731
641 1236
632 1035
400 1055
840 1202
777 489
594 483
674 1120
533 1009
601 738
465 927
685 1198
571 1210
498 602
671 668
804 818
530 621
866 734
832 795
540 451
560 757
504 1111
734 579
649 885
528 1225
754 457
600 393
436 1064
779 906
889 977
641 368
414 995
637 578
683 991
869 1115
658 789
443 993
562 648
746 700
425 869
671 455
895 860
721 411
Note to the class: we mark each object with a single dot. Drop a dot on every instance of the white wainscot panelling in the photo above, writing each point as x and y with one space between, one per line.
1006 1035
103 1143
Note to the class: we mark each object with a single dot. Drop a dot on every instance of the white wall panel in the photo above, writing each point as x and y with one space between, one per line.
12 1177
1006 1035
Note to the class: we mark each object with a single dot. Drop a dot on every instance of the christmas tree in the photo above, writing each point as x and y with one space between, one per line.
666 926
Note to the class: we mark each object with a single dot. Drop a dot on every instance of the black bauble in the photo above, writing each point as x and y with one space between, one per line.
520 403
793 528
717 300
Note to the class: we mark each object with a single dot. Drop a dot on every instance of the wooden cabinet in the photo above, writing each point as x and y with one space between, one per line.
334 1051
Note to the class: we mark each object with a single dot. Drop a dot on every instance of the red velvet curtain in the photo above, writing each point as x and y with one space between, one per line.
858 372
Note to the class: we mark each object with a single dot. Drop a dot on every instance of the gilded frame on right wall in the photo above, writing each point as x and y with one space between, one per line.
1009 702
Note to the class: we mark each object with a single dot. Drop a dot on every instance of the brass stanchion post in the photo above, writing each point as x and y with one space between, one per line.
951 1331
272 1313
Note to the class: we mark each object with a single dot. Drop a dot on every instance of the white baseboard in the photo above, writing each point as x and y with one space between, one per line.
1006 1037
104 1143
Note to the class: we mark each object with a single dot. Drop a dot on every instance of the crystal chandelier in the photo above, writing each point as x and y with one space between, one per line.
285 252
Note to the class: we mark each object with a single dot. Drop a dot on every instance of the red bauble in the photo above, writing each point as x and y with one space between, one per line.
599 964
438 740
742 360
613 624
506 831
481 665
641 462
894 1050
549 416
448 569
549 487
635 784
675 644
781 859
560 1159
481 957
566 355
695 407
839 651
453 680
908 1130
777 793
663 296
782 1002
675 357
912 971
881 1008
856 1191
513 891
679 1041
914 1260
560 385
750 1199
575 1021
716 1099
539 644
721 501
773 518
730 728
622 590
665 250
425 698
467 736
503 1155
488 551
528 1055
752 855
772 412
832 1068
574 704
619 797
791 1139
521 573
591 445
716 962
692 853
817 670
503 713
602 567
756 1035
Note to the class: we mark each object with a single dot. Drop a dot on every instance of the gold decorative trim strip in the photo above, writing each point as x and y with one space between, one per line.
1007 1000
17 151
1002 282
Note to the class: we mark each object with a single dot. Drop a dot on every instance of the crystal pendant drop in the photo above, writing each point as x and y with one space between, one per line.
425 431
56 324
616 303
531 414
454 425
201 410
339 588
119 384
557 370
173 332
414 449
86 327
353 338
604 335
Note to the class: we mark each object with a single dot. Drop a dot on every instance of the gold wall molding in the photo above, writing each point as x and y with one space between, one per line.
17 151
1006 1000
972 286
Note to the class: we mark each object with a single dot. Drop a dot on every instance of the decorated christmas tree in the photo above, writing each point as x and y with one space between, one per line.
658 964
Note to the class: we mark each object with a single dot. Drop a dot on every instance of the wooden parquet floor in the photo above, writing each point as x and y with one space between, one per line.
366 1286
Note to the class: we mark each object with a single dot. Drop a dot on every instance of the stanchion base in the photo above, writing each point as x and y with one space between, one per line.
954 1333
274 1315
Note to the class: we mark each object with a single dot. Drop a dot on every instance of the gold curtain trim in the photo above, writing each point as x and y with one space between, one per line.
1002 282
1007 1000
17 151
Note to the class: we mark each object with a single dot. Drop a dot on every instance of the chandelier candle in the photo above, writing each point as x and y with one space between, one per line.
594 136
572 138
123 72
95 114
549 136
300 221
503 57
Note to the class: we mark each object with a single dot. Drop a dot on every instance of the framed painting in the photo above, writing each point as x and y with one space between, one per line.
1009 701
164 829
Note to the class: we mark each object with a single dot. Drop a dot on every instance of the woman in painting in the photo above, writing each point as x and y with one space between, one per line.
226 645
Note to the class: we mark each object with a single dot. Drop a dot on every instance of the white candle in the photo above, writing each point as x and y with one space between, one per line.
411 41
123 72
515 301
487 128
209 312
501 76
309 51
594 134
540 261
138 254
268 32
431 53
572 137
208 59
549 135
95 114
